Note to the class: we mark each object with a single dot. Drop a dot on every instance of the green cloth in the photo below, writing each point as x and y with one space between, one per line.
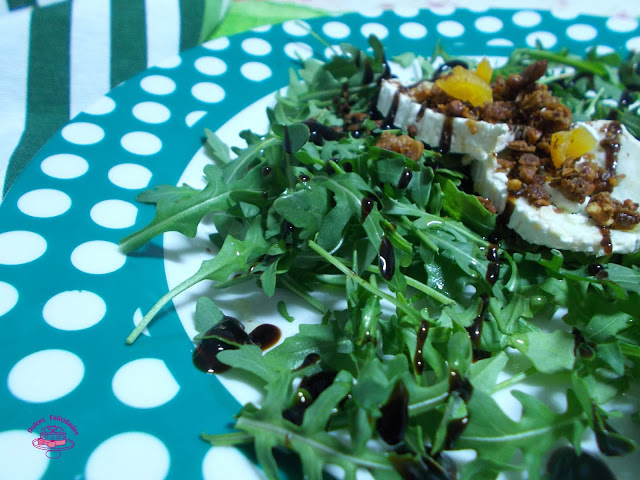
61 56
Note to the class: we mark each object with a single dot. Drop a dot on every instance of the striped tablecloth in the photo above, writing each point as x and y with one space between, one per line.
58 56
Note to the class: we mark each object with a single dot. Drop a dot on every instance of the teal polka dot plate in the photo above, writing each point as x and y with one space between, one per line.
91 406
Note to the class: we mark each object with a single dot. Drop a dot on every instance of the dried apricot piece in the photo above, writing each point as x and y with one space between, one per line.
484 70
467 86
573 143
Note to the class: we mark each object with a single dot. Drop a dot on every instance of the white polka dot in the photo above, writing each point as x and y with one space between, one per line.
633 43
82 133
475 6
18 458
500 42
228 462
376 29
547 39
489 24
45 376
44 203
8 297
298 50
256 46
74 310
208 92
527 18
137 318
255 71
261 29
413 30
371 12
332 51
602 49
297 28
151 112
20 246
406 11
101 106
336 29
158 85
114 214
169 62
144 383
193 117
564 11
129 456
141 143
97 257
442 9
210 65
130 176
450 28
582 32
221 43
622 23
64 166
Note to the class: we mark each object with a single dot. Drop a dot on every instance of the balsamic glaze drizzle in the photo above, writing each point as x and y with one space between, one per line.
395 415
205 356
387 258
418 359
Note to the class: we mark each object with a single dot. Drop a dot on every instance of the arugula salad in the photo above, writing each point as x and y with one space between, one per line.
441 294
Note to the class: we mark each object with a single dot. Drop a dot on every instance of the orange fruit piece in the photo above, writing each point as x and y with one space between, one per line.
467 86
569 144
484 70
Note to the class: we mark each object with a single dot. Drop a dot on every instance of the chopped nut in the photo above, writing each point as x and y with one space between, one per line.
403 144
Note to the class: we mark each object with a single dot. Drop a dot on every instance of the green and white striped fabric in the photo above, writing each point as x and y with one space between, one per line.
57 57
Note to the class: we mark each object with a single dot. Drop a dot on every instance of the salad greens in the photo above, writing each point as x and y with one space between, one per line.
306 207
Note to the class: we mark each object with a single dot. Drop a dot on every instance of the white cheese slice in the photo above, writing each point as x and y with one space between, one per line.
565 224
475 138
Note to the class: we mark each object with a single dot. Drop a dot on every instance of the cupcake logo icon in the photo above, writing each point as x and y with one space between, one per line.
53 437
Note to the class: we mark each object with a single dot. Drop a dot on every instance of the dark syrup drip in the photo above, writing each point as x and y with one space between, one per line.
475 330
309 360
366 205
265 335
266 170
605 243
462 386
626 99
418 359
609 441
493 269
367 76
387 259
287 228
309 389
395 415
437 467
303 177
320 132
423 109
445 135
445 67
565 464
286 141
594 269
205 356
611 146
581 347
391 115
405 178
